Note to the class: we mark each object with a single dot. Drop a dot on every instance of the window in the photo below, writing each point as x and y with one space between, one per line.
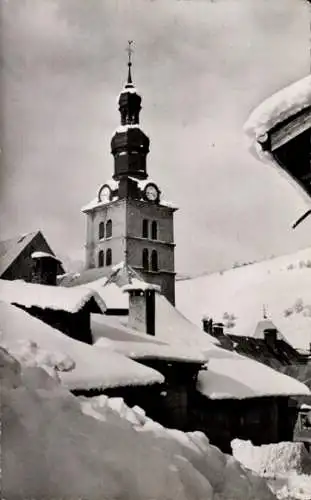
145 228
154 230
109 229
101 230
154 261
145 259
100 258
108 257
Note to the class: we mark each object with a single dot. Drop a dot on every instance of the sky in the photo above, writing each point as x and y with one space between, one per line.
201 66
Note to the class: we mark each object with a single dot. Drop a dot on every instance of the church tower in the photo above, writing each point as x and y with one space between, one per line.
129 221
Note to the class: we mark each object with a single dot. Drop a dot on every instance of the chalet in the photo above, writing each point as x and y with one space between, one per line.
15 256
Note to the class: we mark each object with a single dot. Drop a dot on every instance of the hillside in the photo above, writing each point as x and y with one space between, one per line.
237 297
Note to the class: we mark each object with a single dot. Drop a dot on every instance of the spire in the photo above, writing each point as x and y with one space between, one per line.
129 100
264 311
129 144
129 75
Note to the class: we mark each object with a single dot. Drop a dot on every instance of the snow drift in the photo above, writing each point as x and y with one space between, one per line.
287 465
51 449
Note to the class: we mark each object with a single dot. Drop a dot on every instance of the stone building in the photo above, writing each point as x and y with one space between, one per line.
129 221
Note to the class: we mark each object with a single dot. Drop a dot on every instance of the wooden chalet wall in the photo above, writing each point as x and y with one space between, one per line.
261 420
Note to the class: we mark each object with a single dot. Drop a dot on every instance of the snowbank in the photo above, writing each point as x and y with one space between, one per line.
48 297
94 368
272 459
287 465
106 458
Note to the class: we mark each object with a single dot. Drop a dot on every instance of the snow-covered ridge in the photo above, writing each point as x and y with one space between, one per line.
280 285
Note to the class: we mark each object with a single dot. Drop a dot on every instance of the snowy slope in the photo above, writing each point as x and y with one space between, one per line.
281 285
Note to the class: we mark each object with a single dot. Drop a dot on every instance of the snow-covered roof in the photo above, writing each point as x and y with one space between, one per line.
126 128
44 255
95 368
48 297
112 332
97 204
266 324
128 89
279 107
110 293
137 284
11 248
230 375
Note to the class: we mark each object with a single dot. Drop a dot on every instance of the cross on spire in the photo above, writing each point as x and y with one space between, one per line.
129 51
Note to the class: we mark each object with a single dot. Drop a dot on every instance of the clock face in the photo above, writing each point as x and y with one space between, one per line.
105 193
151 192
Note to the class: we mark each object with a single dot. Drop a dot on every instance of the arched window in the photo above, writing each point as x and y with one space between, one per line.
154 261
101 230
145 228
108 257
108 228
145 259
101 258
154 230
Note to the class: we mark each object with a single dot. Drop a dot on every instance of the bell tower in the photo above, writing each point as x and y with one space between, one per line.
129 221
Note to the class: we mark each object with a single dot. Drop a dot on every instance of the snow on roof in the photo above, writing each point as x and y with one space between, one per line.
97 204
266 324
137 284
173 327
168 204
11 248
128 89
125 128
280 106
230 375
110 293
48 297
95 368
111 332
42 255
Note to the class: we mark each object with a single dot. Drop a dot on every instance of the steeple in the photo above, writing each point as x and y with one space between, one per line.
129 145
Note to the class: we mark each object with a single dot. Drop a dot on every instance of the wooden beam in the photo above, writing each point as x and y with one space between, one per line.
291 129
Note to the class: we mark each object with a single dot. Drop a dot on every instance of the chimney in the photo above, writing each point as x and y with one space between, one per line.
45 268
218 330
142 309
207 325
270 336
